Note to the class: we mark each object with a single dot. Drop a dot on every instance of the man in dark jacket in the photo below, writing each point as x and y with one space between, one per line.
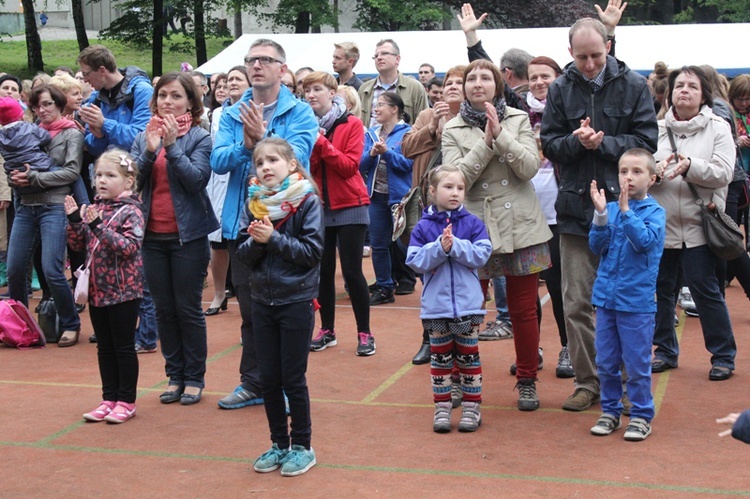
596 110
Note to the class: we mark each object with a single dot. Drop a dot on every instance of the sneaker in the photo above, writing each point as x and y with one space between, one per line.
638 429
366 344
581 400
457 395
141 349
270 460
381 296
298 461
540 366
366 251
100 412
241 397
404 289
605 425
686 299
324 339
564 367
528 400
471 418
496 330
121 412
691 312
441 423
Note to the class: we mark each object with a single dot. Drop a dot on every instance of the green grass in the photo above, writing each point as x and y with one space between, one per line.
65 52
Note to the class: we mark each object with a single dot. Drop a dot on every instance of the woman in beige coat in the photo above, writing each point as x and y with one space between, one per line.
497 152
704 157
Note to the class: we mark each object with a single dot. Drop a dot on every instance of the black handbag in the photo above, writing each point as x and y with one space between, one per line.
49 321
723 236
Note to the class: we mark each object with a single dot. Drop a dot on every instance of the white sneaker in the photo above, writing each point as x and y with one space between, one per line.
686 299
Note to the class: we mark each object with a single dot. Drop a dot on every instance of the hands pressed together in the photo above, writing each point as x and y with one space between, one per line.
446 241
589 138
493 128
253 126
599 198
261 230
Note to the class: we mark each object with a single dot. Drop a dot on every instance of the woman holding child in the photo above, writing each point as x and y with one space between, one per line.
495 147
703 157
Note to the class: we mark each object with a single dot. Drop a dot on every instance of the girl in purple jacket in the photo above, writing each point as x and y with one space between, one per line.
447 246
111 232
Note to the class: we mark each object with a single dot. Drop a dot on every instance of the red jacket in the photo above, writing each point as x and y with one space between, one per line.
334 164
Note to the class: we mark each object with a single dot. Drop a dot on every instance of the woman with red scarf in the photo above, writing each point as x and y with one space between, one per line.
40 210
173 170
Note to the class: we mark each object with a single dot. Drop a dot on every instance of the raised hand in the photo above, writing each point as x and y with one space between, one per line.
154 133
70 205
439 111
598 197
468 20
89 213
611 15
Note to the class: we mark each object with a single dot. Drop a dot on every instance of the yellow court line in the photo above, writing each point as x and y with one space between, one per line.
661 386
388 383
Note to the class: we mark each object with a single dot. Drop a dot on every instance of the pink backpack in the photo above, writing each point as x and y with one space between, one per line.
18 327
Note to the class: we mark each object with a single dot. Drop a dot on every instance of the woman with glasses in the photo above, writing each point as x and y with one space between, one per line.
387 173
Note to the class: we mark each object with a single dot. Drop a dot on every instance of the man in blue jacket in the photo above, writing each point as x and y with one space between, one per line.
596 110
268 109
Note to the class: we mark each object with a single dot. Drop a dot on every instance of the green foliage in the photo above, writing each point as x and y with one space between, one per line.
64 53
730 11
287 11
399 15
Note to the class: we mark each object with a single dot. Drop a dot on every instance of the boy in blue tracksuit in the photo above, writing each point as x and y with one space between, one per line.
629 237
447 246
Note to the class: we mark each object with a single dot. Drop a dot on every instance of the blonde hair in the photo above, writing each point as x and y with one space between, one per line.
643 154
66 83
439 173
351 98
122 160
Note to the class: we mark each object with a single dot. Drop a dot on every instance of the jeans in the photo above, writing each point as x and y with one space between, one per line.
175 274
118 362
283 334
381 229
249 370
45 224
623 337
698 267
147 333
498 284
578 266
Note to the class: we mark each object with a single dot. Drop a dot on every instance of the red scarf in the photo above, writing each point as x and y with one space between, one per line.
184 123
57 126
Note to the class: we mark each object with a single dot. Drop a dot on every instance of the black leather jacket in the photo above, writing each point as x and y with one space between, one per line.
622 108
286 269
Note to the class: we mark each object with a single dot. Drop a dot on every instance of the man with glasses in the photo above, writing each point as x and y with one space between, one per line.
387 58
268 109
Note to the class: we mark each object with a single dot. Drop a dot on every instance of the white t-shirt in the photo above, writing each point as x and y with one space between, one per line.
545 185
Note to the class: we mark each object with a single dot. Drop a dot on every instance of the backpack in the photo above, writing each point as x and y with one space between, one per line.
49 321
18 328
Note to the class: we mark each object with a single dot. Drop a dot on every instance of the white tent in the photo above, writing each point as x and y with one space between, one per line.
639 46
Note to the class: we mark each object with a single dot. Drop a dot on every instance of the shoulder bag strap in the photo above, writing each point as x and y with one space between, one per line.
96 244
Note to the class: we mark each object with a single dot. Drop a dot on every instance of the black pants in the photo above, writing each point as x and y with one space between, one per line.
553 277
282 339
349 239
115 343
249 370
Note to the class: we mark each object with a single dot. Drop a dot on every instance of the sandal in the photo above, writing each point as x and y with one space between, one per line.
68 341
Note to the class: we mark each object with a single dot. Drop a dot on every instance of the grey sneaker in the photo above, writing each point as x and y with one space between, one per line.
298 461
441 422
605 425
638 429
471 417
324 339
528 400
366 345
457 395
270 460
564 367
241 397
540 366
496 330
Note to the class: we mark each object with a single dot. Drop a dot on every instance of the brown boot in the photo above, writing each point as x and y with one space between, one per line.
581 400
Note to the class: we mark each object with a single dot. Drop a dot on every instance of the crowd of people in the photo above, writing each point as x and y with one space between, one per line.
271 177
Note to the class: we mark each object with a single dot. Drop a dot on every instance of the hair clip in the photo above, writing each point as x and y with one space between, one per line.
125 161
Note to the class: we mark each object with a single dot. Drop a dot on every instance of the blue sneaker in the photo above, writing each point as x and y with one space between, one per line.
271 459
241 397
298 461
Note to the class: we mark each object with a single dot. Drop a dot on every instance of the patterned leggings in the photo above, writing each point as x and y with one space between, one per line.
449 339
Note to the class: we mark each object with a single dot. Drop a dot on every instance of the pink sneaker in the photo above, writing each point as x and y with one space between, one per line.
100 412
121 413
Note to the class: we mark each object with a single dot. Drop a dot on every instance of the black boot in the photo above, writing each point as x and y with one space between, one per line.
423 355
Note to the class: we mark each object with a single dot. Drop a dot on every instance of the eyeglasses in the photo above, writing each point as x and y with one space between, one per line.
504 69
86 73
264 60
384 104
383 54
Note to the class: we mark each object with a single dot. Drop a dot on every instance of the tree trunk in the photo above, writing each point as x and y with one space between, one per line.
237 19
336 28
199 23
33 42
83 39
158 39
302 25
